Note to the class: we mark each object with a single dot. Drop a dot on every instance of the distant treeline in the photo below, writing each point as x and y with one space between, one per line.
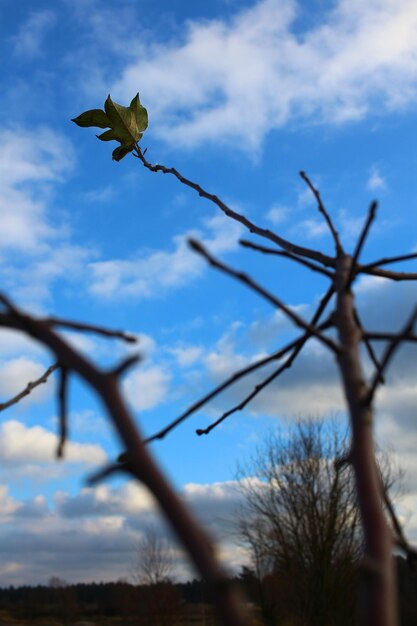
159 603
70 603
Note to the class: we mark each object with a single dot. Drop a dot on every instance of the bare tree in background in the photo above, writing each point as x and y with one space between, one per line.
154 558
153 568
301 522
341 269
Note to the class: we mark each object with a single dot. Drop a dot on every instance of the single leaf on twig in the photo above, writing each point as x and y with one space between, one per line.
126 124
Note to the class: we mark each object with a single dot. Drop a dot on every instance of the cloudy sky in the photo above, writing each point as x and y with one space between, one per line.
241 96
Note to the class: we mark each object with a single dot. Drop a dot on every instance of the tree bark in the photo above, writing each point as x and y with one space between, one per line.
379 603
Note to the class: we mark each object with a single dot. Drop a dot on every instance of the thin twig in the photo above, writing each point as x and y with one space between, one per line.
63 414
93 328
53 322
400 537
29 387
379 336
286 365
342 462
368 345
397 276
253 228
224 385
389 260
361 240
249 282
106 472
389 353
125 365
288 255
323 211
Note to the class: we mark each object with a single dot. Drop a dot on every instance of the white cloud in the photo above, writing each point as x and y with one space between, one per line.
34 156
311 228
91 536
29 160
20 444
278 214
27 44
187 355
16 373
8 505
152 274
32 162
13 342
147 387
102 194
349 225
129 499
375 180
236 79
147 344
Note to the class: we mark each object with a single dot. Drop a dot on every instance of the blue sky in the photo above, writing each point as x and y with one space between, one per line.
241 96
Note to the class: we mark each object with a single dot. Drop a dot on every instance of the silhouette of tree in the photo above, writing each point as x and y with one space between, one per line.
301 522
154 567
154 561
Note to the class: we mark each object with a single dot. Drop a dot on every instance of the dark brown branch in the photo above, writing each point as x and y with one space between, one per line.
286 365
249 282
253 228
389 260
53 322
375 336
380 598
389 353
63 414
224 385
141 463
93 328
126 364
288 255
397 276
361 240
400 537
342 462
323 211
106 472
29 387
368 346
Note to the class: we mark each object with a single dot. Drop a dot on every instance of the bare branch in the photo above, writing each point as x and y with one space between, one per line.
63 417
362 237
141 463
262 232
342 462
224 385
29 387
288 255
380 598
247 280
322 209
93 328
397 276
389 353
400 537
376 336
53 322
126 364
368 345
286 365
106 472
389 260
